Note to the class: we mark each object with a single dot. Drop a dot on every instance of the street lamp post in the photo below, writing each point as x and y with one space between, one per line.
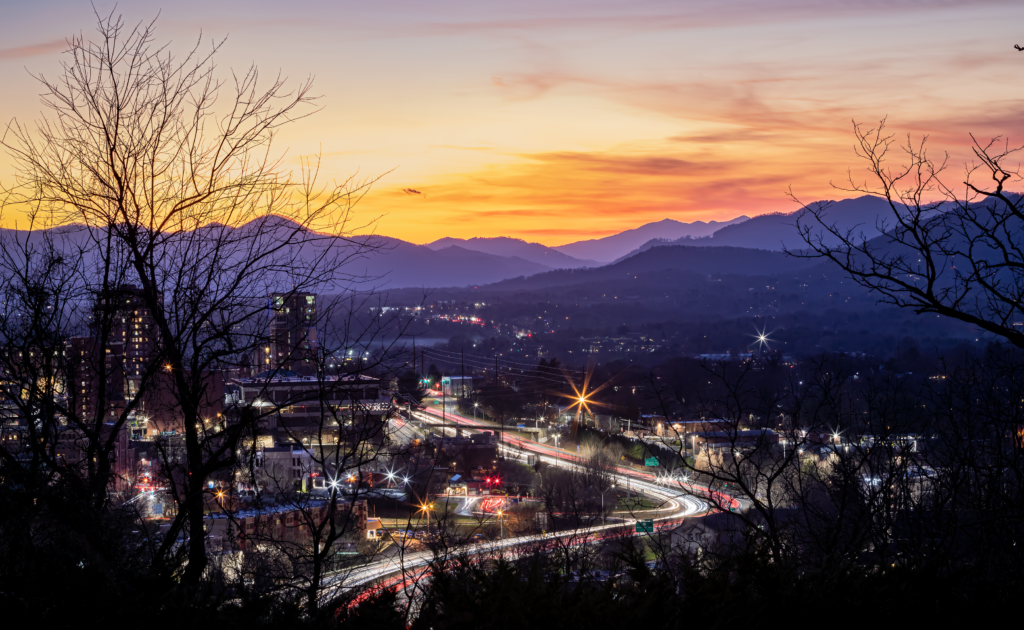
604 519
426 509
475 405
501 525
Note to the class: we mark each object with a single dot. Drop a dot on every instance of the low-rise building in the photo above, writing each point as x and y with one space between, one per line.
310 408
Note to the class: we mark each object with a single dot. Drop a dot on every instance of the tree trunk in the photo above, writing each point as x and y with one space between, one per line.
196 535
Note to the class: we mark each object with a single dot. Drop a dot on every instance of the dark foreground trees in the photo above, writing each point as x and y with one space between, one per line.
858 482
160 241
942 251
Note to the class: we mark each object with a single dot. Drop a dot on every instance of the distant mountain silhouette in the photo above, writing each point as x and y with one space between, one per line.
677 258
741 246
390 263
402 264
777 231
514 247
613 247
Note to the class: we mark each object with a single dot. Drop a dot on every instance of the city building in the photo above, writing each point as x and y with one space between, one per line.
94 376
734 439
295 407
280 468
290 342
129 322
457 386
284 524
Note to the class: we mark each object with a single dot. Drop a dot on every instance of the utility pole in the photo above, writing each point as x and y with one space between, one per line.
604 518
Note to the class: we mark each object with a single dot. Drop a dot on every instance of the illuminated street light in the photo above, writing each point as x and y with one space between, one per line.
761 339
582 397
426 508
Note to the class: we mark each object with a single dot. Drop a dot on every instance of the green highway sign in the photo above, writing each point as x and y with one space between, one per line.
651 461
645 526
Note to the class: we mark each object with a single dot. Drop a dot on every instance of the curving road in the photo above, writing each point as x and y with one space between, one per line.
558 456
676 504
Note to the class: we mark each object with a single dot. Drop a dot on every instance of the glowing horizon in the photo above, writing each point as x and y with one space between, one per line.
575 120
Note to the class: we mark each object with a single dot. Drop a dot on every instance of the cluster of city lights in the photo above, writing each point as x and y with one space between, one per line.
391 476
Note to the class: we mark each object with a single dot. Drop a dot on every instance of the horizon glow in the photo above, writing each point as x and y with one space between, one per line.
557 122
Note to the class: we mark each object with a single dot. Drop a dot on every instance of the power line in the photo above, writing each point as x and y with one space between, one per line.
503 359
551 378
444 355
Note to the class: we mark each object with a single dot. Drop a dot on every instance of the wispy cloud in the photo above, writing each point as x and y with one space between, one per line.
32 50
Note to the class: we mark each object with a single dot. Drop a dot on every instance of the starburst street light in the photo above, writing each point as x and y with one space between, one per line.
582 397
761 338
427 508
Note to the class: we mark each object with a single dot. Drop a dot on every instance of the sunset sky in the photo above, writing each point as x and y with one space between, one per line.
556 121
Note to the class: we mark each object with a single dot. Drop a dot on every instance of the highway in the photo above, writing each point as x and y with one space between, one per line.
557 456
676 504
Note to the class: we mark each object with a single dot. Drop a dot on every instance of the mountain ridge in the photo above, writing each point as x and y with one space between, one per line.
777 231
514 247
610 248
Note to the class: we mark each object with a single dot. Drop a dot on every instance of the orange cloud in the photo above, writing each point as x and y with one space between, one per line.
557 197
31 50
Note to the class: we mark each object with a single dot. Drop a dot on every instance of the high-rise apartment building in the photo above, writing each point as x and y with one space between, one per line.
94 377
290 342
131 324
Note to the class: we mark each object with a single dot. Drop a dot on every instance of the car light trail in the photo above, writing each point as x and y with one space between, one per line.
676 504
